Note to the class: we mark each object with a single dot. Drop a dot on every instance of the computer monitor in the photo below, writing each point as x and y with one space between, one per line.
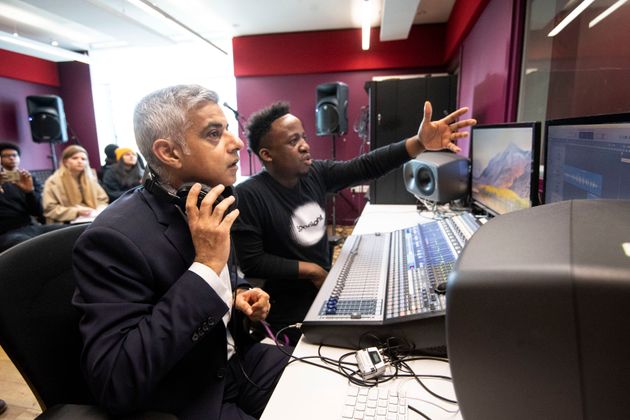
587 157
504 166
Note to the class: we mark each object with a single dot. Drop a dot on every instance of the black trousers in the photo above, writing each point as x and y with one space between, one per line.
250 380
15 236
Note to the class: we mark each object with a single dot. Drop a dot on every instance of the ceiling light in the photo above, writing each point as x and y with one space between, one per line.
38 49
606 12
366 25
569 18
146 5
40 21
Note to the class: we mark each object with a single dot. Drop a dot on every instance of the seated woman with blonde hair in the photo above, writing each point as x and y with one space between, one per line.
73 190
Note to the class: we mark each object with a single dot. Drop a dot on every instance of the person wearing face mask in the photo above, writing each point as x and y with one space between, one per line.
73 190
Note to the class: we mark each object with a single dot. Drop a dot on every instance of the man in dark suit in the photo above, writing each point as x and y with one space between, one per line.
155 283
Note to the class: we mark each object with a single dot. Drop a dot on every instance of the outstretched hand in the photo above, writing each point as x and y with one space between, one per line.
443 134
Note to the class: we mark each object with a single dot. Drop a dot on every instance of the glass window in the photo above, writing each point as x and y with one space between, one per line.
581 69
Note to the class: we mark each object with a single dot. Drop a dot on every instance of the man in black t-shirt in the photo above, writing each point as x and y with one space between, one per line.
280 235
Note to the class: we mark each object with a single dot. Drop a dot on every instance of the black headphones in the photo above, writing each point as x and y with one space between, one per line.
154 186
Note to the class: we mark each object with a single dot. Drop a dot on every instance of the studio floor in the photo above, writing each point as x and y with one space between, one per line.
22 405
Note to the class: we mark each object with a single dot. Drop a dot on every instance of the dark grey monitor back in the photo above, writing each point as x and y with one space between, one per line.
537 314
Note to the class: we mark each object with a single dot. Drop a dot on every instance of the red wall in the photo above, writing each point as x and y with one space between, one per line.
463 17
14 126
21 76
76 91
329 51
27 68
487 65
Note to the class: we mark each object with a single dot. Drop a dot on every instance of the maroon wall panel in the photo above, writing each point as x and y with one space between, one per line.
333 51
14 125
28 69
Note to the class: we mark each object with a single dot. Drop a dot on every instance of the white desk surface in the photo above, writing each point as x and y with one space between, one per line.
308 392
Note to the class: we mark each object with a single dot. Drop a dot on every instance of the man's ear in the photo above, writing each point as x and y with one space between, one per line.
264 154
168 152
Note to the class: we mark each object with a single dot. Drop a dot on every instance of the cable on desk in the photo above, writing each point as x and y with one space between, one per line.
396 353
418 412
417 378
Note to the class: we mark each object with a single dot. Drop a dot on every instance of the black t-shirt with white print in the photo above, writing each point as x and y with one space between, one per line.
279 226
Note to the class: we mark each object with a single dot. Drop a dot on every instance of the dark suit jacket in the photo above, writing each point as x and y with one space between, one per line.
152 330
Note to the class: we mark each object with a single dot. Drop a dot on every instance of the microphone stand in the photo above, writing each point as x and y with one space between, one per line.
241 126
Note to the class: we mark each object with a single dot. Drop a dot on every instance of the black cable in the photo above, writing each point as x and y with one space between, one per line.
394 350
439 397
419 412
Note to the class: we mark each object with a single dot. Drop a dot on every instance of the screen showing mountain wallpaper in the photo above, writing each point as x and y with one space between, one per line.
501 168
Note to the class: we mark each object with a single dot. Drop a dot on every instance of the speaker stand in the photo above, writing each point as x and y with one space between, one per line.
53 156
333 239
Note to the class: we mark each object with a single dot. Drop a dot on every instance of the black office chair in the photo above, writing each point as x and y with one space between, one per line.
39 327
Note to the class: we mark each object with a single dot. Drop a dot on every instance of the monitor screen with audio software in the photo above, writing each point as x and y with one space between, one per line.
504 166
587 158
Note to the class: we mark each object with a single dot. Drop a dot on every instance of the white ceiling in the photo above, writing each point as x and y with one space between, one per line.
93 24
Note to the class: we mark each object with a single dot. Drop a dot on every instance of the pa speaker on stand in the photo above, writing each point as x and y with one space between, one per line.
331 112
48 121
331 118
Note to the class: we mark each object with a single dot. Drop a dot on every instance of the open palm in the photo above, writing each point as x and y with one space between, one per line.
443 134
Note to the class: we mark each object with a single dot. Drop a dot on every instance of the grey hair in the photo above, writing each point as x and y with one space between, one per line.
163 115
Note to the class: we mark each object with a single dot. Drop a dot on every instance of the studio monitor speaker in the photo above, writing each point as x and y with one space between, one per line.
331 111
47 119
437 176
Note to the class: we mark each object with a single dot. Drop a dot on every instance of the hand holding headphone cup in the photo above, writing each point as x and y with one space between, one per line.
209 229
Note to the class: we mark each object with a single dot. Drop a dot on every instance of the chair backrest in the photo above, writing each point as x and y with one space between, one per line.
39 327
41 175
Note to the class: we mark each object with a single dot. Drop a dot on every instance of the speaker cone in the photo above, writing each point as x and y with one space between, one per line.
425 180
45 127
327 119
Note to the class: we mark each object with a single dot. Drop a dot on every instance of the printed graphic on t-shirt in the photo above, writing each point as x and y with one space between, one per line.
307 224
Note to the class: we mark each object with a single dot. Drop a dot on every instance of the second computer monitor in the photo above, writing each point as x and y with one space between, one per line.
587 157
504 166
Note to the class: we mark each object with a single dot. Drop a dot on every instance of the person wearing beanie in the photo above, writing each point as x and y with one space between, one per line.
123 175
73 190
110 159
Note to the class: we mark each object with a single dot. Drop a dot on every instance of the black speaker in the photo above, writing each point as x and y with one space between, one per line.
331 111
47 119
437 176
